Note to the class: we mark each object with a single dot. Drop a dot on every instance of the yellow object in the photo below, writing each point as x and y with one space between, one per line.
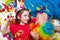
37 8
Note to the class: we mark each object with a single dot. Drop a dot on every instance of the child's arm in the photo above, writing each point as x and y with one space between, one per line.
6 28
35 35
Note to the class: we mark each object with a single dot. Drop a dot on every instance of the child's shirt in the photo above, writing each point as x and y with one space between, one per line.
20 32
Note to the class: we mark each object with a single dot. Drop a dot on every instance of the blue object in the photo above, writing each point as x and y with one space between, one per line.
11 36
49 28
32 5
52 7
15 5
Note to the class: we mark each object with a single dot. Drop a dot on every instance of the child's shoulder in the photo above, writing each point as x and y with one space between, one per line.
13 24
33 20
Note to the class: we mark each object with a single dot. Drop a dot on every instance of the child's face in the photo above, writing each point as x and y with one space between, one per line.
25 17
42 18
45 16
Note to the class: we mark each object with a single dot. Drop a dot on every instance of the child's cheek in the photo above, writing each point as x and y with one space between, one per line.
40 19
45 16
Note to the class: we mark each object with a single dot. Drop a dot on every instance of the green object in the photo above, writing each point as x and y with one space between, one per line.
0 7
10 14
7 2
42 31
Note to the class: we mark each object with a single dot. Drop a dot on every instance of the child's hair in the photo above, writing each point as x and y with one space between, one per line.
19 13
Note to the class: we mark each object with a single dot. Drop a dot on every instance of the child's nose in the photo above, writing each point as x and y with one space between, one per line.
28 18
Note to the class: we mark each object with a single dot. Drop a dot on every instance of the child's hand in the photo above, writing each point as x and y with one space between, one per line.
10 20
35 35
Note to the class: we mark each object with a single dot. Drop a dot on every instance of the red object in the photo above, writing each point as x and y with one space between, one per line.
20 32
3 9
7 36
0 10
33 20
16 2
36 25
6 7
40 12
7 16
0 27
22 0
5 19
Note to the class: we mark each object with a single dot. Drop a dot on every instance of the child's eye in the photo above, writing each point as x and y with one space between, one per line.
25 15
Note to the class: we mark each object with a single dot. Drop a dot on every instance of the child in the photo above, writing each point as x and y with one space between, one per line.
21 28
5 31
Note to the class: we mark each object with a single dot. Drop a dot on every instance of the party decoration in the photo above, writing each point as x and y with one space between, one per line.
7 10
14 4
43 35
48 6
0 21
0 7
34 27
22 4
56 22
8 2
34 6
1 37
51 7
46 31
6 7
49 28
56 36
